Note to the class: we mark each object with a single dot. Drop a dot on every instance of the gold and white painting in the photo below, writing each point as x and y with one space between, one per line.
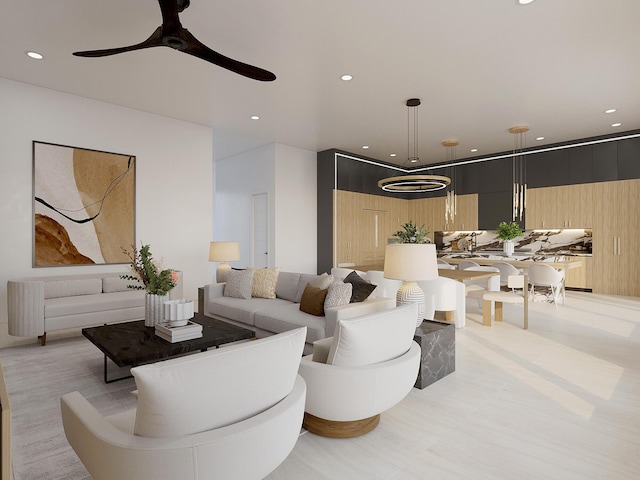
84 206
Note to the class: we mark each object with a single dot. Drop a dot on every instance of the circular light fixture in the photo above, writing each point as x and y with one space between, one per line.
255 117
616 124
414 183
35 55
610 110
346 77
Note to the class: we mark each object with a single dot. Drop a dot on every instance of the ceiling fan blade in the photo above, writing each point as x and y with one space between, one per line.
155 40
197 49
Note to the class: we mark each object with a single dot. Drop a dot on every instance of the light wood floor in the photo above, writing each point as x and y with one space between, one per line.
558 401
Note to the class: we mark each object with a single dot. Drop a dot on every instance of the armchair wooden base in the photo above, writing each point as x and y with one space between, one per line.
335 429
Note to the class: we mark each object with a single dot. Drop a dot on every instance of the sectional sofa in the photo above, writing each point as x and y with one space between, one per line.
268 316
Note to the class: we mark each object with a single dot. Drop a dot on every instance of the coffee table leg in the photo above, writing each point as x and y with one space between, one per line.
106 380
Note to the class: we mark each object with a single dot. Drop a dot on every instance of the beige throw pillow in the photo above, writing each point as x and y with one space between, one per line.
264 282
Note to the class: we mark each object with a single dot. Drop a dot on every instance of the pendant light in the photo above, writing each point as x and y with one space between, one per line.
519 173
413 183
451 202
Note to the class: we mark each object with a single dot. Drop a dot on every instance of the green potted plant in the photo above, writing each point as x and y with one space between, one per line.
411 233
506 232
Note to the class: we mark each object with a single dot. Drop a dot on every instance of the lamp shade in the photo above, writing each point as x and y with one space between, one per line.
224 252
411 262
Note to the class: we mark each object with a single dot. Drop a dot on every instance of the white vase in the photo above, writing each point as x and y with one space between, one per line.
154 309
508 247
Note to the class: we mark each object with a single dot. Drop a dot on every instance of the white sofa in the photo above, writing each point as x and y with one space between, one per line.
369 365
37 305
269 316
198 417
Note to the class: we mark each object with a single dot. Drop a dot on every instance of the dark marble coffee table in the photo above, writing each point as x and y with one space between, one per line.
130 344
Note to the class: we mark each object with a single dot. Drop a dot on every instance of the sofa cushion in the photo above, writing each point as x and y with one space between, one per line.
324 281
338 293
287 286
373 338
117 284
287 317
209 390
239 284
63 306
242 310
264 282
305 278
72 287
312 300
361 287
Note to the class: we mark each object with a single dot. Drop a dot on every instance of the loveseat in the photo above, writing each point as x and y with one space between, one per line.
198 417
37 305
282 312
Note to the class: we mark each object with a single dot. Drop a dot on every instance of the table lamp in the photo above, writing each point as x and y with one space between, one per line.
223 252
411 262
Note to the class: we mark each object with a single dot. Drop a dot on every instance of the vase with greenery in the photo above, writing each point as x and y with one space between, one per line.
411 233
507 231
153 279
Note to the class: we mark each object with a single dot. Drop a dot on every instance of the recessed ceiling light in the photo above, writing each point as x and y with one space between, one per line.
255 117
346 77
474 150
392 154
616 124
525 2
365 146
539 138
35 55
611 110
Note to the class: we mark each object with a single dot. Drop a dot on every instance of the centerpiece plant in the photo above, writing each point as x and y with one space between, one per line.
411 233
508 230
150 275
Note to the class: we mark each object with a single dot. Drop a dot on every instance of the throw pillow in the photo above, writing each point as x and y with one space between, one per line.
338 293
264 282
312 300
361 287
239 284
324 281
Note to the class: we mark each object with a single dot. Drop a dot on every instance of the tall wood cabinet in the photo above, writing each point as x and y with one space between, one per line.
362 225
567 206
616 234
430 212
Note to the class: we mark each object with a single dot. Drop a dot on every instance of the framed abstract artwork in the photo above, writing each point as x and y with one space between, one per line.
83 206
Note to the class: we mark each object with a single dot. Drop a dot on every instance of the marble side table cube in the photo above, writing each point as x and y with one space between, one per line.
437 341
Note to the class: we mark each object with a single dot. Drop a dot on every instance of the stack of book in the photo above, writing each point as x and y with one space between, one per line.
179 334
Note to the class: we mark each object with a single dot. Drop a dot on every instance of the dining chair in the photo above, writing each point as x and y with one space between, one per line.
506 269
543 275
465 264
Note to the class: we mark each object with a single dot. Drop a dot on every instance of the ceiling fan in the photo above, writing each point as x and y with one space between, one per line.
172 34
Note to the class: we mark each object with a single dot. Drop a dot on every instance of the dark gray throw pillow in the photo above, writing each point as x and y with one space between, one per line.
361 287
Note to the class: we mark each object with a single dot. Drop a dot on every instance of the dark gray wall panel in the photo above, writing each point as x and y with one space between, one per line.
605 164
493 208
580 166
548 169
629 159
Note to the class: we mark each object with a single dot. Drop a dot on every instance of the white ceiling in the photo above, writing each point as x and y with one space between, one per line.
479 67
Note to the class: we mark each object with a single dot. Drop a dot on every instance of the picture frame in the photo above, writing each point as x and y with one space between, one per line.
83 206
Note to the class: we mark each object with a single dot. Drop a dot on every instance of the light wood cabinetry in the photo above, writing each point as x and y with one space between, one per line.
466 217
567 206
362 225
616 230
580 277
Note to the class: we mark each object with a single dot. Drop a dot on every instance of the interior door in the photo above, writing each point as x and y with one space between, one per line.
260 230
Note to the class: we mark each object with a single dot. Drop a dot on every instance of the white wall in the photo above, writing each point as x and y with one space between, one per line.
173 178
288 176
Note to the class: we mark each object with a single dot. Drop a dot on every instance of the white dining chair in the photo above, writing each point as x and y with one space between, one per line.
542 275
465 264
476 288
506 269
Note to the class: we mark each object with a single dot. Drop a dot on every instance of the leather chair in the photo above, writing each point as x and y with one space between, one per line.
198 416
368 366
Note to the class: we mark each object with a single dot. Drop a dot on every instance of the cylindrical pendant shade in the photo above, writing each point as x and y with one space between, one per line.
411 262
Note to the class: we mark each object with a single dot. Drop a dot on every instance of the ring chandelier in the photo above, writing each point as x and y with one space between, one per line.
413 183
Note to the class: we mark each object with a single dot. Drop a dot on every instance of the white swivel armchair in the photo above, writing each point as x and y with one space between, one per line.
198 417
445 295
542 275
369 365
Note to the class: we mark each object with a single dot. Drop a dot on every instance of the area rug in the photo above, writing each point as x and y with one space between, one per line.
36 377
